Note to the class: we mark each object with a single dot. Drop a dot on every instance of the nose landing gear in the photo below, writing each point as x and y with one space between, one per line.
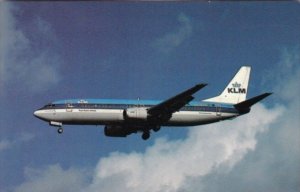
60 130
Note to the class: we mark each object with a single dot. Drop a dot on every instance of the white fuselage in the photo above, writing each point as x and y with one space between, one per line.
115 116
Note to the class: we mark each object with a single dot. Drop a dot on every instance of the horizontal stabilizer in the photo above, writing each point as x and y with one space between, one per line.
248 103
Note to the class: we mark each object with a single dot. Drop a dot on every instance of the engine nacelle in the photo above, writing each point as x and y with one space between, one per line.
137 113
115 131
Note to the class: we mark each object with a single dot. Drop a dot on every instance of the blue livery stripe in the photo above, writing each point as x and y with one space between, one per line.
135 102
102 105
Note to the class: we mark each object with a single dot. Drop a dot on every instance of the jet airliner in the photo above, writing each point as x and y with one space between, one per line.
123 117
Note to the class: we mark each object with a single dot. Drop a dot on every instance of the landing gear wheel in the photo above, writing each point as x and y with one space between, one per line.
60 130
156 128
145 135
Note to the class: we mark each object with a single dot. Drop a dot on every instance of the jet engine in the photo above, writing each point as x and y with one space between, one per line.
116 131
137 113
124 130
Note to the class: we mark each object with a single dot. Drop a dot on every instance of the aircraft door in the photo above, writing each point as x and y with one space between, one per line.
218 110
69 107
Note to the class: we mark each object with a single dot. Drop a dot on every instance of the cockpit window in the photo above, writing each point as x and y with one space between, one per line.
50 105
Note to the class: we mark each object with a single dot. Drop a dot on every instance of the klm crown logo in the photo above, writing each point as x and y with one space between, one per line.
236 85
236 88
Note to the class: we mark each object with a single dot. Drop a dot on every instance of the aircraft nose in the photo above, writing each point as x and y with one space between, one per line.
42 114
37 113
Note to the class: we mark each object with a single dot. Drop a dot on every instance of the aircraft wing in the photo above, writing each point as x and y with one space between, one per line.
166 108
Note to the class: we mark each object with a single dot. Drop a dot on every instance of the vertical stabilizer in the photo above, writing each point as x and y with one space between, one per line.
236 90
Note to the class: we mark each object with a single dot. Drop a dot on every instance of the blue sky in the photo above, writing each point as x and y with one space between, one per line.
52 51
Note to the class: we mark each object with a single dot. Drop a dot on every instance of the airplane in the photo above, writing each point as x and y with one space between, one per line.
123 117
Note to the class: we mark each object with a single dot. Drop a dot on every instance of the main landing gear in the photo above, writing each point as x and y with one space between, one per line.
146 132
156 128
146 135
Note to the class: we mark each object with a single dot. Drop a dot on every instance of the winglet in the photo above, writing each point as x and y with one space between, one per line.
197 88
245 105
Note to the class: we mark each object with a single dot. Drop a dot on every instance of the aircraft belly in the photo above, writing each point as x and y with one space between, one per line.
190 118
88 116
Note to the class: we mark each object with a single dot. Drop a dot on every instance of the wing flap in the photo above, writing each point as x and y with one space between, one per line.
175 103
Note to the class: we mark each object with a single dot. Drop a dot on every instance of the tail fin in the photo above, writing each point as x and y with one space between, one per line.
236 90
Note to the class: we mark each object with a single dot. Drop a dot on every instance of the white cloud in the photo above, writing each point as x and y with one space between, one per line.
175 38
4 144
275 164
25 62
53 179
167 165
7 143
288 74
